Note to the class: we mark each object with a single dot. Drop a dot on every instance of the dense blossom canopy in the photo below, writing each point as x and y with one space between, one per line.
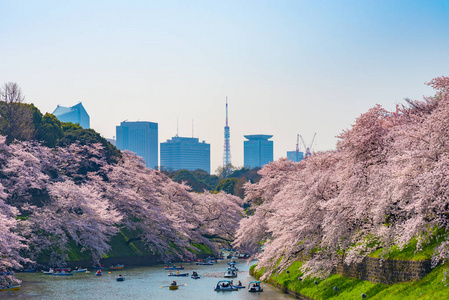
52 199
386 184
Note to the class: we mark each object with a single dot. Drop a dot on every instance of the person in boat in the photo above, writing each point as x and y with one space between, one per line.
170 273
194 273
173 283
62 272
180 266
232 282
99 272
177 272
239 284
120 276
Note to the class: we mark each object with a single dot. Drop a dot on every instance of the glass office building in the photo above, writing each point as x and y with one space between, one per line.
141 138
257 150
295 157
185 153
75 114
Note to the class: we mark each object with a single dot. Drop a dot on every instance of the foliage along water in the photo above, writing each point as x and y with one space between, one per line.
140 283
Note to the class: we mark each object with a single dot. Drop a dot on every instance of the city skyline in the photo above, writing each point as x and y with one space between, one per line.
287 67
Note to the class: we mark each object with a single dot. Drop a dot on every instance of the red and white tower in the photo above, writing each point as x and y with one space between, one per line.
227 144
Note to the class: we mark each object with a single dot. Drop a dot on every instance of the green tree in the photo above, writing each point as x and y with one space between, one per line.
16 117
190 179
73 133
48 129
227 185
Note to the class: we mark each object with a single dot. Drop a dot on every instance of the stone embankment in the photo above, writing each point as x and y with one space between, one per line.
385 271
372 269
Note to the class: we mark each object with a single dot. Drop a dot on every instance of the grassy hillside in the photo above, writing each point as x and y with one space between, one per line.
122 245
432 286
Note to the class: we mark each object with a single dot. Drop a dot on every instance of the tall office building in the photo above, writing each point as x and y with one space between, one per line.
141 138
258 150
185 153
295 156
75 114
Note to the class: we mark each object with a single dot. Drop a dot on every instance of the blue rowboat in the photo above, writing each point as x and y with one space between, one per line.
204 263
179 275
62 274
225 286
80 271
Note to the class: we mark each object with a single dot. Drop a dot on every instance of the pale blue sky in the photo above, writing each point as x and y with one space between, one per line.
287 67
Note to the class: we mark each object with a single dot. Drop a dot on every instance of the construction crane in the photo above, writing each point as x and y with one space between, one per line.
308 153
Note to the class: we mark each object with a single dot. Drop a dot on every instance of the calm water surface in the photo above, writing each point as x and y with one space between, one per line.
140 283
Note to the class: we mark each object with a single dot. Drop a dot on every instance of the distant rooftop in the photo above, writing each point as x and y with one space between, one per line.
258 136
60 110
179 139
75 114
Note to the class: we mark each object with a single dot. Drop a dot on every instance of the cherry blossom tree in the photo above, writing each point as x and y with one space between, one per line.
385 185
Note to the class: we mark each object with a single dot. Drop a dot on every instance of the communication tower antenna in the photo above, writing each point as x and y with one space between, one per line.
227 143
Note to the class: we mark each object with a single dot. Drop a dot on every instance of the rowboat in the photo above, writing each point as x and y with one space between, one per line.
80 271
29 270
204 263
180 275
9 288
173 287
62 274
230 274
62 269
254 286
225 286
195 277
6 273
117 267
120 278
174 268
48 272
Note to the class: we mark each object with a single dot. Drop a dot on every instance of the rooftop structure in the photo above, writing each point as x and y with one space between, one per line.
75 114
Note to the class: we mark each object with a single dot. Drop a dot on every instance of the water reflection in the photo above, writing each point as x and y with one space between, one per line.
140 283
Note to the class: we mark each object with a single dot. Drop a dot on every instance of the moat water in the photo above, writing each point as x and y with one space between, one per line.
140 283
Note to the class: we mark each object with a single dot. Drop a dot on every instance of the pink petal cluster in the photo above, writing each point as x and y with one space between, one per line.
51 199
386 184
